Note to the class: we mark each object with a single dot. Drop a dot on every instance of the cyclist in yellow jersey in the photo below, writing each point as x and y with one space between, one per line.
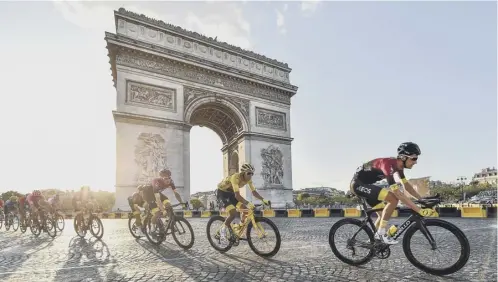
228 193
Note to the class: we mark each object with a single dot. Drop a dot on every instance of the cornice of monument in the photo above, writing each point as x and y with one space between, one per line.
199 37
117 39
149 120
162 64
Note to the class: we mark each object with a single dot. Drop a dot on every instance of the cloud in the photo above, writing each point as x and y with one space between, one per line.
309 7
213 19
281 22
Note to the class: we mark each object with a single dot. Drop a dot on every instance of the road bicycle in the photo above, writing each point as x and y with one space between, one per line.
59 219
415 223
39 222
92 223
251 226
172 224
11 220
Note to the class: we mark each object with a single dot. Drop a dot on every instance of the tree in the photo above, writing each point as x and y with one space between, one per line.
196 203
8 194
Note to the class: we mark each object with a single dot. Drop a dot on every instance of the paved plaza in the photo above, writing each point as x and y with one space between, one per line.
304 256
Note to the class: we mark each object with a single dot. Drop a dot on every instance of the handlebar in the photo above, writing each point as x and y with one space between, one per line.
430 201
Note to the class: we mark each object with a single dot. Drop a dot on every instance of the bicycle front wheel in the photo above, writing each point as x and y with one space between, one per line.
51 226
183 230
96 227
213 229
15 222
359 238
263 233
446 233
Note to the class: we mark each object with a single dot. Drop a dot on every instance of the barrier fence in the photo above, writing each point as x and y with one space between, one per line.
443 211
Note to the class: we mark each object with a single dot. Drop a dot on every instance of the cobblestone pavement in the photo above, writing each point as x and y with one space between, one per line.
304 256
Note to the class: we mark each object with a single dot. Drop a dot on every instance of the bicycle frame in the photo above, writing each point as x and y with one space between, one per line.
414 218
250 217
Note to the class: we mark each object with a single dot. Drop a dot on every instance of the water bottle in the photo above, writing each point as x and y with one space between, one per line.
392 230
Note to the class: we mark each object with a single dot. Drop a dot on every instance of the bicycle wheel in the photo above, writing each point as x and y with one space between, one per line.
51 226
262 232
61 222
133 227
353 244
35 228
15 222
156 236
79 226
181 227
1 220
96 227
215 239
464 252
23 226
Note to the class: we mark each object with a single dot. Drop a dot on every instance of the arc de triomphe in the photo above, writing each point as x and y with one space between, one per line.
169 79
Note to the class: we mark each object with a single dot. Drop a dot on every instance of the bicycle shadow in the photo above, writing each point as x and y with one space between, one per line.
86 257
191 262
18 253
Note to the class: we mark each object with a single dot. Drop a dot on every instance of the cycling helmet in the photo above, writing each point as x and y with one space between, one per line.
13 198
36 193
247 168
408 149
167 171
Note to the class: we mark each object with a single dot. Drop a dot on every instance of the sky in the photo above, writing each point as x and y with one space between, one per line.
370 75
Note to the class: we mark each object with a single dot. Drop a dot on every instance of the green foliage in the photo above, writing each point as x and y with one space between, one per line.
5 196
306 199
196 203
453 193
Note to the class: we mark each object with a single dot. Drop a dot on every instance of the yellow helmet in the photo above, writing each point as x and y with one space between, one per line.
13 198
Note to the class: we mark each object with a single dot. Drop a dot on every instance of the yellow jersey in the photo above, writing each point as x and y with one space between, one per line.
233 182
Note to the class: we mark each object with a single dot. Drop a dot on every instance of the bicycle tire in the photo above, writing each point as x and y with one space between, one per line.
208 234
14 218
34 230
277 235
99 234
179 219
358 223
130 227
1 220
462 239
63 220
159 225
78 218
54 226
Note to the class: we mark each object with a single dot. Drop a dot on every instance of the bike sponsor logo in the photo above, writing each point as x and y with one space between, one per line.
402 228
364 190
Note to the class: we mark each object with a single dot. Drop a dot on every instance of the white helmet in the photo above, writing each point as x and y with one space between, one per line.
247 168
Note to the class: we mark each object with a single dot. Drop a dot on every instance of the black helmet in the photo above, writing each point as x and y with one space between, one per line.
408 149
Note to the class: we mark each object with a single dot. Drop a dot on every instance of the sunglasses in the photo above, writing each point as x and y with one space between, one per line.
250 173
413 158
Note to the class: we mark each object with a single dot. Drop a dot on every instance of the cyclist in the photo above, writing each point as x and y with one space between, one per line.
228 193
82 199
385 168
155 199
36 201
54 202
23 207
10 205
135 201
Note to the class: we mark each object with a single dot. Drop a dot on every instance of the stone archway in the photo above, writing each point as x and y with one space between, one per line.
169 79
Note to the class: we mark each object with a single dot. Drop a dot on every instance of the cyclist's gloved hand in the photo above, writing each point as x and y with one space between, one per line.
266 202
184 205
427 212
250 206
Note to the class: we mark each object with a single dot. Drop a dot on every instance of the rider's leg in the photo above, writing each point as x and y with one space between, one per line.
379 214
392 203
232 213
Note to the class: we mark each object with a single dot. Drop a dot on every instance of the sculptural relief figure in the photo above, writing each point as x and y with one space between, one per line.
273 166
150 156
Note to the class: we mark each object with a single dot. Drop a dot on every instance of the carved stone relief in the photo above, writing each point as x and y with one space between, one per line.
161 97
273 166
271 119
214 50
199 75
150 156
192 93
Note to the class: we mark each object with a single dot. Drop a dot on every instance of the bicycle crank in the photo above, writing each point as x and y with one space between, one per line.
382 252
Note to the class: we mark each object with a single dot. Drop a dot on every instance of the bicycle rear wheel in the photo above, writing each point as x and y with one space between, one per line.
353 243
79 227
182 227
262 233
462 255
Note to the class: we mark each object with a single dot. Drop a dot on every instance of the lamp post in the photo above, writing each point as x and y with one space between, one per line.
462 180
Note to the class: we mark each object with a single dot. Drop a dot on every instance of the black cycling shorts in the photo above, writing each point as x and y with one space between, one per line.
227 198
373 194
